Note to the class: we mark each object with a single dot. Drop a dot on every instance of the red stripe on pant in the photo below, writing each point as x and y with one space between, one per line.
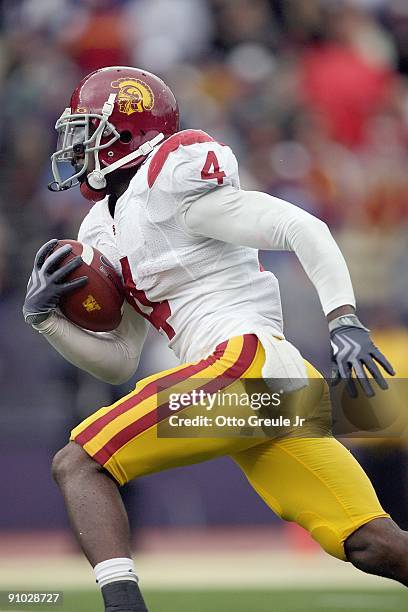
240 366
150 389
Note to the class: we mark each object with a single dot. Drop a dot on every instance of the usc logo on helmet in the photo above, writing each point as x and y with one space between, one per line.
134 95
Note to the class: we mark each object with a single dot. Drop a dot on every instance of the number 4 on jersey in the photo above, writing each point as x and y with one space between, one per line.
156 313
211 169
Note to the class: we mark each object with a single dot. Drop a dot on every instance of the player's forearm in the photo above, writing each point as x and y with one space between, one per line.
110 357
258 220
324 264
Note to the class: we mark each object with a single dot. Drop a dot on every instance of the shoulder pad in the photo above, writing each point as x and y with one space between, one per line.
181 139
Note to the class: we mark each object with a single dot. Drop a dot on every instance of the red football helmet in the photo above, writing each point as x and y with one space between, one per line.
117 115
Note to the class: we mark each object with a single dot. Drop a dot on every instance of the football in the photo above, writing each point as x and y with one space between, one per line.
98 305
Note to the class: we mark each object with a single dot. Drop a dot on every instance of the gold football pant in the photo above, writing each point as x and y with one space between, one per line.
310 479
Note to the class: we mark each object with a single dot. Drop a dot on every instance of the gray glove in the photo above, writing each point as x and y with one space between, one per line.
353 349
46 287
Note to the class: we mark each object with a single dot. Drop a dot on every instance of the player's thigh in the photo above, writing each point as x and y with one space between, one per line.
315 482
126 437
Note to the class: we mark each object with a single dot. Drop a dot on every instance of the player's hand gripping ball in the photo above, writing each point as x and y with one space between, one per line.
97 306
80 281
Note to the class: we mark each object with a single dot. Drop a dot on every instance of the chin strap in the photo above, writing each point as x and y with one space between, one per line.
96 180
92 194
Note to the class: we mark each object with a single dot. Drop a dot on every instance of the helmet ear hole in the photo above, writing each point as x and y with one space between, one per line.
125 136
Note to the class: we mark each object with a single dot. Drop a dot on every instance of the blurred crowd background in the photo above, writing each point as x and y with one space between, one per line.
312 95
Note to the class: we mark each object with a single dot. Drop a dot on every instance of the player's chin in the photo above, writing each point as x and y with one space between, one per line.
78 167
82 177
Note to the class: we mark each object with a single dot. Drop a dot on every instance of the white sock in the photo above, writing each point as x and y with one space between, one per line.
114 570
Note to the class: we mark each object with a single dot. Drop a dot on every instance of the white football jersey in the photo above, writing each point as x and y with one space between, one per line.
196 290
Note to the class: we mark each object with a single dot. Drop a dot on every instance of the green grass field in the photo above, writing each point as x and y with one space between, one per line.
225 581
252 601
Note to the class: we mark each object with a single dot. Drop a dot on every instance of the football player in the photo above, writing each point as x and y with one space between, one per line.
169 213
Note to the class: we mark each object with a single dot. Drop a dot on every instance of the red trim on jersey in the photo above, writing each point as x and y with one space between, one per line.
238 368
181 139
150 389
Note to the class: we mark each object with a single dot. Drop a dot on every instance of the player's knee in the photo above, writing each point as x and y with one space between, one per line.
375 547
70 460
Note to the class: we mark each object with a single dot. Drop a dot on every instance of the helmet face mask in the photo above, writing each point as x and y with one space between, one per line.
79 129
117 115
